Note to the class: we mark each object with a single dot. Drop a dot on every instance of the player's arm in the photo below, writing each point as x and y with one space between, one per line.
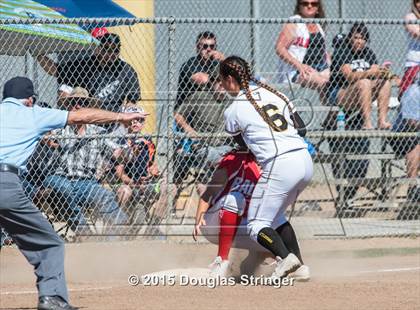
216 184
203 206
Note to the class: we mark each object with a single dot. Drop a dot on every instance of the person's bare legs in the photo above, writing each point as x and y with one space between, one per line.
413 162
383 90
160 207
124 194
315 80
358 95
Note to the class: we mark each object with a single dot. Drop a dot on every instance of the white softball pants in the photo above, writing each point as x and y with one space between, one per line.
283 179
234 202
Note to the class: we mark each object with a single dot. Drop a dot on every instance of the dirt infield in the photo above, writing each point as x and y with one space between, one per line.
347 274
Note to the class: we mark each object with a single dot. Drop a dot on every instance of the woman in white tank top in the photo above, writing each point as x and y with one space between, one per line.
412 62
302 49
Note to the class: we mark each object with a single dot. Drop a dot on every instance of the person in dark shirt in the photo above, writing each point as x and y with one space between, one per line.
196 73
103 74
356 78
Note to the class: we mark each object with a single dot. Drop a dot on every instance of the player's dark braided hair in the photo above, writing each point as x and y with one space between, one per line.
240 70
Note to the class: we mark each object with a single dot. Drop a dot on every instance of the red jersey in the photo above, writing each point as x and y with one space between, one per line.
243 173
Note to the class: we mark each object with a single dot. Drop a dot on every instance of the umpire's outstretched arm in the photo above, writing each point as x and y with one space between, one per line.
98 116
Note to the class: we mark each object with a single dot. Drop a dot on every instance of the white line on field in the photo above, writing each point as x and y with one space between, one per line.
391 270
70 290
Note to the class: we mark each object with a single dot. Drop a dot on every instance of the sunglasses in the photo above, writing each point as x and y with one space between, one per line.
308 3
206 46
139 121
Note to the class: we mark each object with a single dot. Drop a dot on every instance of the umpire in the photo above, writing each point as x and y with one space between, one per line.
22 125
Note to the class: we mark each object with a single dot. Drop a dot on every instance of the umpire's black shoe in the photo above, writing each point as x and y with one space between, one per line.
53 303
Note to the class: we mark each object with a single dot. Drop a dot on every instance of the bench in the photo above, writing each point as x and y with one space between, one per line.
379 188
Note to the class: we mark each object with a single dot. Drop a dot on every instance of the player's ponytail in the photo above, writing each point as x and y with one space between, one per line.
414 9
240 70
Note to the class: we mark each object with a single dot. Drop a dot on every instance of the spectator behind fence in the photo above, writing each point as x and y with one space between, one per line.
408 120
357 79
412 63
302 49
202 111
104 74
199 106
76 177
137 170
196 72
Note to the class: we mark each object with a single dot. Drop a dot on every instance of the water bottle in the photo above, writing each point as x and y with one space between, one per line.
186 145
341 120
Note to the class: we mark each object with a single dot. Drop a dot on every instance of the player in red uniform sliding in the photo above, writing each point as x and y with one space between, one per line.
222 212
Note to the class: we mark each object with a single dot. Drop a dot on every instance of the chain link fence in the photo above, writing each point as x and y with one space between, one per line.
111 181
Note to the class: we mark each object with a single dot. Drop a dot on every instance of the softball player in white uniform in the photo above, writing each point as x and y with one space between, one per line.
260 117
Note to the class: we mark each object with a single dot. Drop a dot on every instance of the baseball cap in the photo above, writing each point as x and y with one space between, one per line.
18 87
65 89
99 32
80 96
133 109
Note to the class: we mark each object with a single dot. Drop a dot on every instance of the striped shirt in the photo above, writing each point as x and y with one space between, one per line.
83 157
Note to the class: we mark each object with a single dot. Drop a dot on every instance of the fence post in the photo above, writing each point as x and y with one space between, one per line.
170 115
254 13
341 13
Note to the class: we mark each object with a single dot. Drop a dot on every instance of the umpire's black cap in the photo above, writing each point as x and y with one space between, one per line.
18 87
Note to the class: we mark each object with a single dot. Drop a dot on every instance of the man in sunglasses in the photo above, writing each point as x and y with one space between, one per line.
196 71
